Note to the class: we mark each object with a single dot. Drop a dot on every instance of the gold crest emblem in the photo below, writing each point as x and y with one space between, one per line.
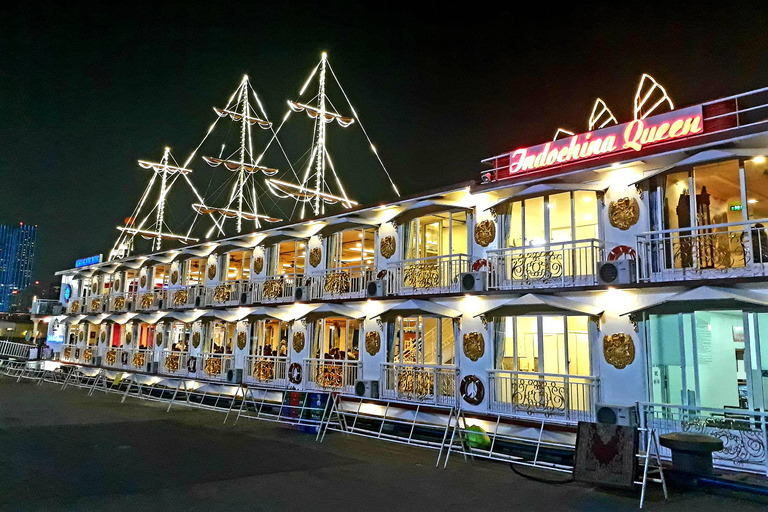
619 350
624 213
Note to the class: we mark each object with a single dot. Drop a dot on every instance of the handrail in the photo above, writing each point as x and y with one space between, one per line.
590 378
705 226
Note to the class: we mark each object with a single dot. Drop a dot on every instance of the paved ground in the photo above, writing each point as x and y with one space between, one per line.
67 451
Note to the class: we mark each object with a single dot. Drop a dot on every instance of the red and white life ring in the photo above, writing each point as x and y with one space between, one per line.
479 264
622 251
294 373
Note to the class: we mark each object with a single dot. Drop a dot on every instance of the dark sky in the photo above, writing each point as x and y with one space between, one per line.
85 92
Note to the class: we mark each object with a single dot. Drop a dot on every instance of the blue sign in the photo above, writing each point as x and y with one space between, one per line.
67 292
90 260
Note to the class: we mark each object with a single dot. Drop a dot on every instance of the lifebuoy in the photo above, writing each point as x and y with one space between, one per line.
622 250
482 262
382 274
472 390
192 364
294 373
124 358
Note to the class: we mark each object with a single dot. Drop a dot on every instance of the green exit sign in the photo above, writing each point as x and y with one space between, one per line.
736 207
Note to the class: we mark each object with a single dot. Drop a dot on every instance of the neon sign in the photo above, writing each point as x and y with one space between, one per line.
90 260
632 136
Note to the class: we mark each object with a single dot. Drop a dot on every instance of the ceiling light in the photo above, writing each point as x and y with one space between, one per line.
759 159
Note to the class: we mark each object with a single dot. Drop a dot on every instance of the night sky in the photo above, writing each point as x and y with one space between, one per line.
85 93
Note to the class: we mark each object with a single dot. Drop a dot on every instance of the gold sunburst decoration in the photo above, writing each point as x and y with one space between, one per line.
212 271
143 281
180 297
624 213
119 302
241 340
75 307
196 339
146 300
485 233
258 265
619 350
111 356
298 341
473 345
387 246
372 342
174 276
95 305
315 255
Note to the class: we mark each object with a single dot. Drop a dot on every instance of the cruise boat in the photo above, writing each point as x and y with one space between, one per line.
620 269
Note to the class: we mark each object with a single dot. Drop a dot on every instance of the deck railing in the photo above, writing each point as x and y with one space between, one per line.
173 362
139 357
435 274
736 249
332 374
116 357
229 293
564 264
568 398
419 383
266 370
276 288
744 433
215 366
342 283
13 349
46 307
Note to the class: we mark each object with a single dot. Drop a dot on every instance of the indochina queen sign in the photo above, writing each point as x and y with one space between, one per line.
628 137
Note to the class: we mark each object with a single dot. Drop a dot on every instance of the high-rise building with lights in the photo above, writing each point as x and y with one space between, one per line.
17 257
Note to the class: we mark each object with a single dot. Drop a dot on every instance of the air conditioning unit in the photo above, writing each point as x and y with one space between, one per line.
617 272
300 293
473 282
377 288
235 376
96 360
610 414
367 388
152 367
244 298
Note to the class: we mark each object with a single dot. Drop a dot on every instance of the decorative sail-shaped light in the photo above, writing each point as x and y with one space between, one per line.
562 133
601 116
650 97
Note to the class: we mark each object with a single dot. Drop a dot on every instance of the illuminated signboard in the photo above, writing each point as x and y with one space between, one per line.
90 260
628 137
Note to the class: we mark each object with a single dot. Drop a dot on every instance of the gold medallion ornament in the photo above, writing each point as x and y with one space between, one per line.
619 350
103 336
485 233
88 354
474 345
196 339
159 339
372 342
272 288
624 213
81 336
212 271
180 297
387 246
241 340
221 293
75 307
119 302
111 356
315 255
298 341
143 281
146 300
95 287
117 285
174 276
138 359
172 362
258 265
213 366
128 337
67 352
95 305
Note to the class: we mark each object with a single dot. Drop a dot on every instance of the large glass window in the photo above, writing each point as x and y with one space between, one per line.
336 338
286 258
350 248
269 338
436 235
423 341
195 273
219 340
238 265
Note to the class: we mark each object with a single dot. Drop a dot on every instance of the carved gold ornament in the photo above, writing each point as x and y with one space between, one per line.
241 340
315 255
143 281
180 297
485 233
213 366
117 285
119 302
174 276
212 271
196 339
81 336
128 337
103 336
146 300
619 350
172 362
138 359
387 246
264 370
67 352
372 342
95 305
88 354
258 265
337 282
111 356
298 341
221 293
624 213
422 275
75 306
272 289
474 345
95 287
159 339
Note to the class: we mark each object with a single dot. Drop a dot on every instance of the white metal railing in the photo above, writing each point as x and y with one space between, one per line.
188 296
744 433
139 357
332 374
173 362
266 370
341 283
563 264
276 288
88 353
46 307
70 353
435 274
116 357
420 383
13 349
215 366
569 398
229 293
736 249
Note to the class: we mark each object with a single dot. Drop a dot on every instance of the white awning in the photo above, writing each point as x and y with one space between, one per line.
227 315
343 224
425 207
543 189
332 310
121 318
536 304
415 307
74 319
267 313
708 156
96 319
278 236
186 317
150 318
705 298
